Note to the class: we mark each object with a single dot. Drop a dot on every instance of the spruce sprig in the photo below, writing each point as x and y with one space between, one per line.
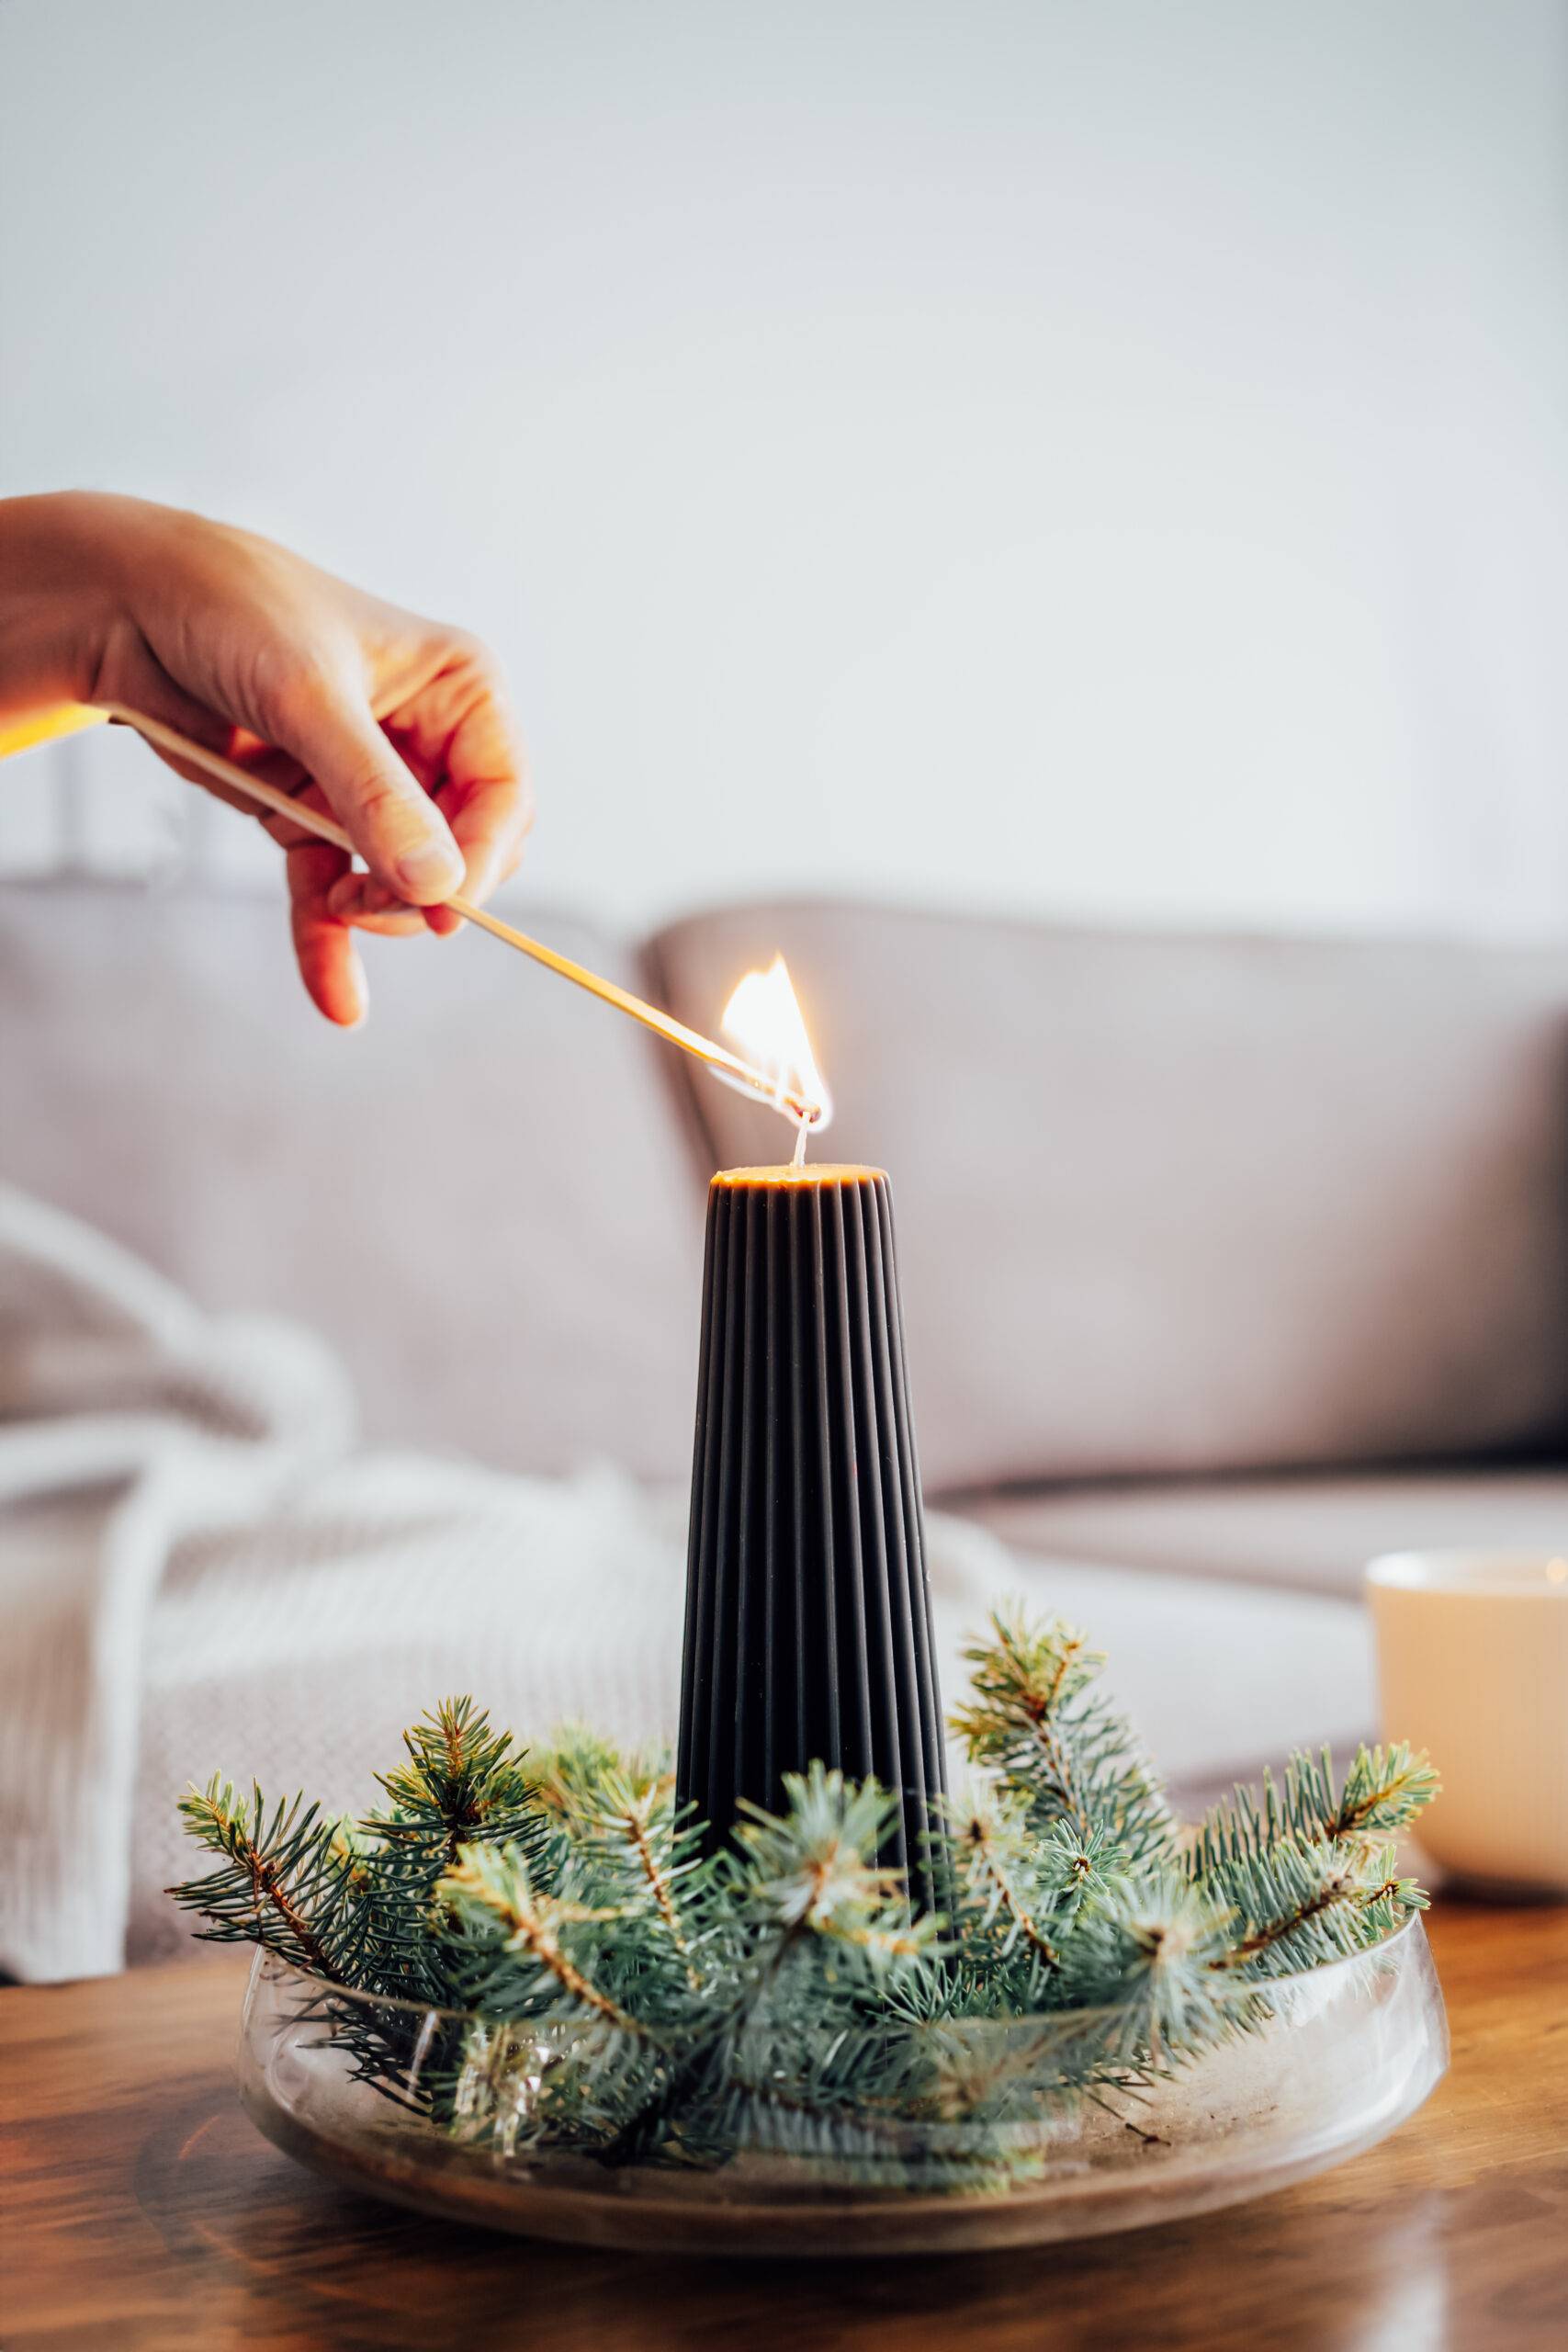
1384 1791
803 1878
1149 1955
1306 1866
284 1879
1005 1894
1035 1720
518 1950
462 1784
622 1816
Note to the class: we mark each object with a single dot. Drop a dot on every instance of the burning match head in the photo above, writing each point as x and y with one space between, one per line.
765 1022
805 1114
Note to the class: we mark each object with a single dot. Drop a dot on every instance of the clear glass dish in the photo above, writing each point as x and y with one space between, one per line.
1333 2060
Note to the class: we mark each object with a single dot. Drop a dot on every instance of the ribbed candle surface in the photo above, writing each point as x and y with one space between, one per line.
808 1614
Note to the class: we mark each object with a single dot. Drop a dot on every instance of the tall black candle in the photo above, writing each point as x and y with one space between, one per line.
807 1612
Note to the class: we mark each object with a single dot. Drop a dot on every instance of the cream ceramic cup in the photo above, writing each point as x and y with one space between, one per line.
1472 1664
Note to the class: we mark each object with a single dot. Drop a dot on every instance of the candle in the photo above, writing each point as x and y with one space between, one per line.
807 1612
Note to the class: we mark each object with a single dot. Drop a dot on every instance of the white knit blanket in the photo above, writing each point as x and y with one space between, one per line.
199 1571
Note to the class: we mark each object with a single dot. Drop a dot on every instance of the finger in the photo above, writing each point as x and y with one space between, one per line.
460 735
445 921
393 823
491 817
324 950
357 893
490 821
360 899
398 922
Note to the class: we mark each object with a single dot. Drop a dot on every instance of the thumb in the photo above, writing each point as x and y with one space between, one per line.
386 811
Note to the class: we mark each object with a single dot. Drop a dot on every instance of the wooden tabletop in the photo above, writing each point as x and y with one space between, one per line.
141 2213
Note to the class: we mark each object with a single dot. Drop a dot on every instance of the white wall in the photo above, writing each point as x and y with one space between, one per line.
1097 458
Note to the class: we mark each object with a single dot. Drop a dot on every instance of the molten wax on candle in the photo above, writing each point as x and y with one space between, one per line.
808 1614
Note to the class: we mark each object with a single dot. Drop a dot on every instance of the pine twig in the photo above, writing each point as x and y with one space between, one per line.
981 1840
273 1870
497 1883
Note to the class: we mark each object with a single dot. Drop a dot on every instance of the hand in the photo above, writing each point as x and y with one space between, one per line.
399 726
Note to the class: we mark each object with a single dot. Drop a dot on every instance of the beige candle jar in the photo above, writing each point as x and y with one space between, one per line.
1472 1666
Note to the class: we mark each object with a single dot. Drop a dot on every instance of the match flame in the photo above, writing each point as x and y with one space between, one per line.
765 1022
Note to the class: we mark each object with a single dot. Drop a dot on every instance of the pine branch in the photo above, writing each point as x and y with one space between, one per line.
1384 1790
1034 1720
1301 1905
808 1929
1073 1871
1303 1864
462 1784
805 1870
1145 1957
281 1881
591 1981
488 1892
1022 1679
630 1829
994 1862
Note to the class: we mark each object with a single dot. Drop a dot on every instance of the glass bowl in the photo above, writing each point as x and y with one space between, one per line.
1332 2060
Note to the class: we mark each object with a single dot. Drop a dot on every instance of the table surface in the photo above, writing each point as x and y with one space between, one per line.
140 2211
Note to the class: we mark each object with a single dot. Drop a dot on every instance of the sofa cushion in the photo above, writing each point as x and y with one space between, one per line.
1316 1534
1187 1204
485 1200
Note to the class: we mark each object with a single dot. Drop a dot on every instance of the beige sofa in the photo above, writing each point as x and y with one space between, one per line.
1240 1256
1226 1261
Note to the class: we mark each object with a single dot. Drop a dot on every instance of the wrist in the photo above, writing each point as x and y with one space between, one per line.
66 584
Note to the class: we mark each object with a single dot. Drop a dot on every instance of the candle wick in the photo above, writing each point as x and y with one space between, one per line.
800 1135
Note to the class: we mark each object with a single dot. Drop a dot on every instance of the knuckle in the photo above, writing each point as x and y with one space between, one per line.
464 647
381 805
374 795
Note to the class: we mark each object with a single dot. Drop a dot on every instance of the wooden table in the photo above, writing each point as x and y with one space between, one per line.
141 2213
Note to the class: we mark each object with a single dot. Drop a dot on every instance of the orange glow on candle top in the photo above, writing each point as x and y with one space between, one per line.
822 1176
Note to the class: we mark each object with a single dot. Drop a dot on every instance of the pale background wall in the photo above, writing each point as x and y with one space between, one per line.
1097 459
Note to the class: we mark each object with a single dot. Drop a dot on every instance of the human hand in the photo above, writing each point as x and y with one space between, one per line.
397 725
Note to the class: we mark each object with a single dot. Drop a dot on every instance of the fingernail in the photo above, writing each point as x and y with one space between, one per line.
430 873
